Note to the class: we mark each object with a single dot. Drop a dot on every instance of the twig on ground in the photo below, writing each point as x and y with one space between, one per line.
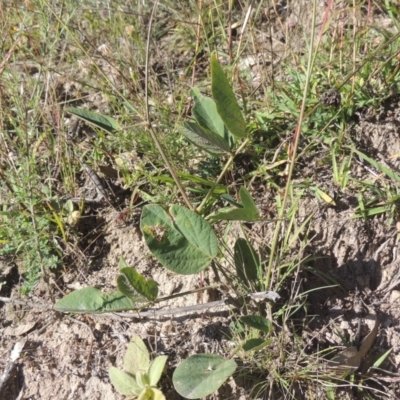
268 295
11 365
101 193
197 307
85 325
24 303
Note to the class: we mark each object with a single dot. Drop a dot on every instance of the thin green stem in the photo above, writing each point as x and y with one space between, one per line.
222 174
274 245
151 129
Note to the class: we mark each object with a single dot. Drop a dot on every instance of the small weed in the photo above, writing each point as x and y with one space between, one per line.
141 375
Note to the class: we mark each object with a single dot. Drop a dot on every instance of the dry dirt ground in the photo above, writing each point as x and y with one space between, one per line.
68 356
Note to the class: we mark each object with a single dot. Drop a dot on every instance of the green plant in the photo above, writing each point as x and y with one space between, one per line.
293 160
141 376
133 291
184 242
202 374
29 234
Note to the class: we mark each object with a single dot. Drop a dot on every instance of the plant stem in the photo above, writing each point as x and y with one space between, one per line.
274 244
227 165
151 130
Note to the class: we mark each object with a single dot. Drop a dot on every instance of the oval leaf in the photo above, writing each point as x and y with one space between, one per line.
156 369
204 138
116 302
126 288
131 283
206 114
202 374
137 357
225 100
248 212
247 262
185 243
257 322
123 383
196 230
92 300
102 121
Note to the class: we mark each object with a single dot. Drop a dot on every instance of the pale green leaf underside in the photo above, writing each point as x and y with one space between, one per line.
123 383
204 138
206 114
92 300
137 358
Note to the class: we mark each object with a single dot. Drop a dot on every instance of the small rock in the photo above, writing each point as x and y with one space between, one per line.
394 296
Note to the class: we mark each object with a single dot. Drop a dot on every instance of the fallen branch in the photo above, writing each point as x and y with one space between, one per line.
24 303
10 366
227 302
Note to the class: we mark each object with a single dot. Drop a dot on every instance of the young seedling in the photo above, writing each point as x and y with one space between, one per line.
139 381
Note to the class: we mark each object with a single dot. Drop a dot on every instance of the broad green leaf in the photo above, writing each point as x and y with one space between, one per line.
116 302
202 374
247 262
124 383
92 300
126 288
134 285
257 322
156 369
182 240
137 357
255 344
248 204
225 99
204 138
102 121
206 114
248 212
196 229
